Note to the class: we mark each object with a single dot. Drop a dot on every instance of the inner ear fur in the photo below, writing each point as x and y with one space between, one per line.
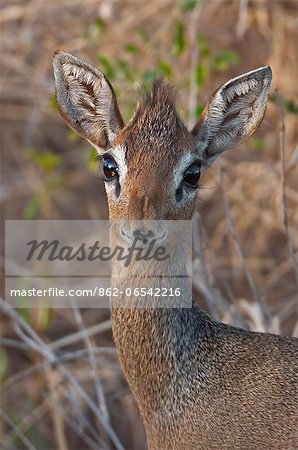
233 113
86 100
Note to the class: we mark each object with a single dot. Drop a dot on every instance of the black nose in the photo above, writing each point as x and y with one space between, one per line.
143 234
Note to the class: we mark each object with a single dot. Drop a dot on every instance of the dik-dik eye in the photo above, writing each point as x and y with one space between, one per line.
191 176
110 167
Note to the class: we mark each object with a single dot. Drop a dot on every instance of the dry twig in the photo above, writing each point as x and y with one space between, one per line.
284 207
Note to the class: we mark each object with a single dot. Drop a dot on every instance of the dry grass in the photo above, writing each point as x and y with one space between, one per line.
63 387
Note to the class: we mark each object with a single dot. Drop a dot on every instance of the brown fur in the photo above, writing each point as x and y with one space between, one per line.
151 141
199 384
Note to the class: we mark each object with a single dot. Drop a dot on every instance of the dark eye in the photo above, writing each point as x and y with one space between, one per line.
110 167
192 175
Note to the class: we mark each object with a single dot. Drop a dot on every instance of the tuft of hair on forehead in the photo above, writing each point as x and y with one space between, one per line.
157 104
161 93
156 120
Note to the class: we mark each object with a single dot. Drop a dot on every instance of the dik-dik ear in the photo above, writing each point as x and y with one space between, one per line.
233 113
86 100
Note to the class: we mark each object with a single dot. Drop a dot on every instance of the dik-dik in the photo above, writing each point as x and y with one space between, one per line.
199 384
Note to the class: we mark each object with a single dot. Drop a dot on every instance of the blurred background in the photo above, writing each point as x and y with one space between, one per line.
62 386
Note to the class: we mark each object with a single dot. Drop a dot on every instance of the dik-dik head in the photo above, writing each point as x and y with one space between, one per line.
152 165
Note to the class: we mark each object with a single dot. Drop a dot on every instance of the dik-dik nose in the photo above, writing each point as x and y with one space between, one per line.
143 234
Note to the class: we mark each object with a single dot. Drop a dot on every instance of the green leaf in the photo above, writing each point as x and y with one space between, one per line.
92 160
72 136
148 77
99 24
25 313
32 208
204 46
142 34
107 66
47 161
53 103
258 144
188 5
199 110
124 70
3 364
95 29
289 105
131 48
24 283
224 59
202 72
164 68
43 317
179 38
128 113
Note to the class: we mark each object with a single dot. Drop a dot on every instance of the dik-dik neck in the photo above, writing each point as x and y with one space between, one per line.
155 345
